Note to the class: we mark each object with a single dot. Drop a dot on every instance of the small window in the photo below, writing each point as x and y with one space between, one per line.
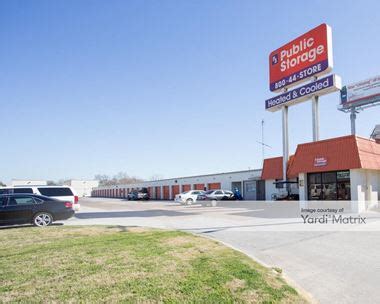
22 190
21 200
53 191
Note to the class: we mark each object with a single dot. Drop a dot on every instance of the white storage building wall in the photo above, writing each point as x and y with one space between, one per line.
168 188
83 187
26 182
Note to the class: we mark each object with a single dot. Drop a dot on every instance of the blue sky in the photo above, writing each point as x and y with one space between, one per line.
162 87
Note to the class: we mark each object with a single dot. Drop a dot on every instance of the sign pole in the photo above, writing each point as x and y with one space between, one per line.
285 141
353 118
315 115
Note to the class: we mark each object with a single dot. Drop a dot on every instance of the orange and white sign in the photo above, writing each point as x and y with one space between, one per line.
307 56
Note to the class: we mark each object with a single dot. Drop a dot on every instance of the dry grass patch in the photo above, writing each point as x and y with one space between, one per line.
235 284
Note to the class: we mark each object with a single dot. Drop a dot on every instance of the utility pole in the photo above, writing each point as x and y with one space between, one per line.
262 143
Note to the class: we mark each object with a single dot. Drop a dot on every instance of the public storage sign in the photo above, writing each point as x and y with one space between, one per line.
306 56
319 87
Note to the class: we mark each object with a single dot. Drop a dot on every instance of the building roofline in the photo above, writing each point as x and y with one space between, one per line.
27 179
204 175
327 140
184 177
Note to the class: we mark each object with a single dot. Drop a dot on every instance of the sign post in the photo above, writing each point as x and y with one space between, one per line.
353 118
285 141
315 115
308 56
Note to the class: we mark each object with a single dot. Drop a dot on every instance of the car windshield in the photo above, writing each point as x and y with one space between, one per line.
209 192
186 192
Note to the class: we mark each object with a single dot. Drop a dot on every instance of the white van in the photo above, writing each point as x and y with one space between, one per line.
62 193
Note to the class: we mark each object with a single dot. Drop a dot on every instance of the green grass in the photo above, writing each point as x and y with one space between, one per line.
115 264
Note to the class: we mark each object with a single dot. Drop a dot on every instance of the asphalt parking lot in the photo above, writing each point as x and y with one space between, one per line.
333 266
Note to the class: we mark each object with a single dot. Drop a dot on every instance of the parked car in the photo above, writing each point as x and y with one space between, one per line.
136 195
62 193
33 209
210 197
188 197
219 195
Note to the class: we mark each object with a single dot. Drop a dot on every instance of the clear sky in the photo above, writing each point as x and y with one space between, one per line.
173 88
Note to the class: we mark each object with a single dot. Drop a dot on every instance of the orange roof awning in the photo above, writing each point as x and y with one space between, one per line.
341 153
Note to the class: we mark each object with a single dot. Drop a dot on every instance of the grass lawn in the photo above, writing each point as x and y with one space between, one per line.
117 264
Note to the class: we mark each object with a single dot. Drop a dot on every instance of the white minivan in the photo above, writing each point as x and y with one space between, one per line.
62 193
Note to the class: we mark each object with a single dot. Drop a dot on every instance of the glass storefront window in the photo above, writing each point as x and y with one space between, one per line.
314 178
329 185
344 191
329 192
315 191
328 177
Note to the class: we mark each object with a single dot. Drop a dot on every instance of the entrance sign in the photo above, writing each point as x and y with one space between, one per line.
306 56
361 93
319 87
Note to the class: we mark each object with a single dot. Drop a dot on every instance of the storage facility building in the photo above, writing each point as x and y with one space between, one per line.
248 182
342 168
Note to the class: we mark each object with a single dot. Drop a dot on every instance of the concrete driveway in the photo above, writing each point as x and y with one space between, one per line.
333 266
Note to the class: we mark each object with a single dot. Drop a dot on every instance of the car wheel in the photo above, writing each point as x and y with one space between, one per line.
42 219
189 201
